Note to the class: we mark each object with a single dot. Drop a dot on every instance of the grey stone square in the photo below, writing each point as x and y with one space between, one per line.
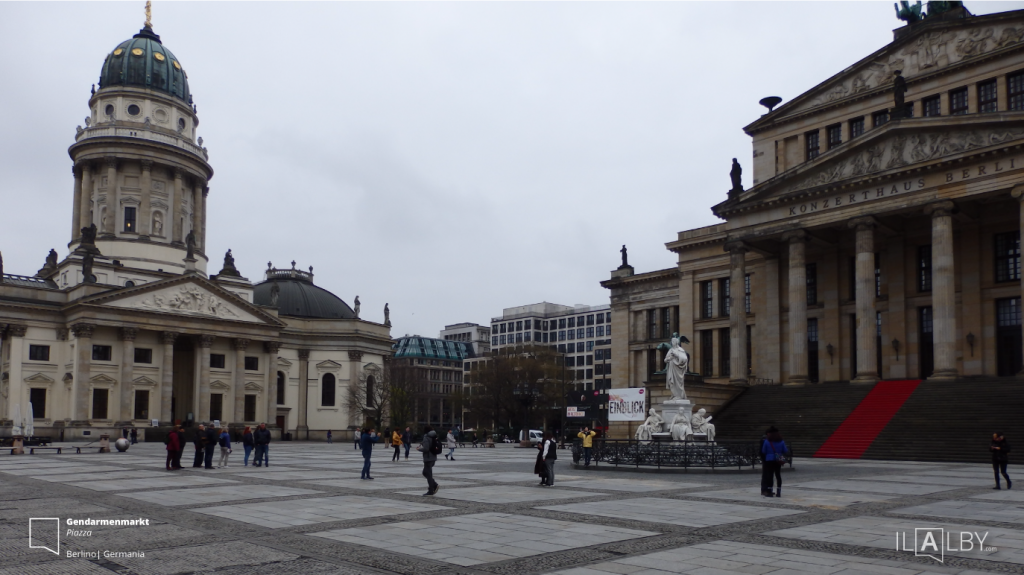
882 487
400 482
175 497
922 479
517 477
317 510
59 469
673 511
483 537
629 485
505 493
167 481
300 475
1016 496
796 496
103 476
1002 512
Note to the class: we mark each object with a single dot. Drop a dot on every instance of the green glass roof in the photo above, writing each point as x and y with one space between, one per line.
431 348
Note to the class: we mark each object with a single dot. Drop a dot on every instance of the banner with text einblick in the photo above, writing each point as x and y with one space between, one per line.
626 404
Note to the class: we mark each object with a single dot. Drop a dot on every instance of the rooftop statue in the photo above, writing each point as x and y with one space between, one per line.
899 90
190 244
275 292
909 13
357 306
625 258
736 173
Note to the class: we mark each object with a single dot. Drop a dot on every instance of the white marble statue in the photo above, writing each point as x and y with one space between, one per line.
653 425
681 429
701 424
676 363
356 308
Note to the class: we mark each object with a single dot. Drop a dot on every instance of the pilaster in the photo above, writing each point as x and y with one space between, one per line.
146 209
76 211
85 205
83 368
175 223
128 335
737 313
943 291
167 377
241 345
272 348
205 343
112 199
303 406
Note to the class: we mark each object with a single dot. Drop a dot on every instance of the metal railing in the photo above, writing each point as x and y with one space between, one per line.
684 454
144 134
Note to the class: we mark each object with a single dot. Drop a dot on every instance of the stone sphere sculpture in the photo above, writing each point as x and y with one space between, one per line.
122 444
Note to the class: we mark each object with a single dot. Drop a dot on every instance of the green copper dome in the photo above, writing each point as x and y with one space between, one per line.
143 61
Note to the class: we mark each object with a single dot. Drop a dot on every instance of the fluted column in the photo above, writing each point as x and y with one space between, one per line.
85 217
867 366
272 347
303 406
76 212
198 215
108 223
797 240
240 346
175 222
737 313
16 381
943 291
167 378
203 412
127 367
146 209
83 368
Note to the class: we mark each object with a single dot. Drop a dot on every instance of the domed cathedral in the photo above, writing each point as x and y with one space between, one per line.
128 329
880 239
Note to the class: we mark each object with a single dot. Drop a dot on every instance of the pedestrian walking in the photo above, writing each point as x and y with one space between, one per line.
366 441
181 446
550 454
261 437
431 449
407 441
172 449
587 435
212 439
135 436
247 444
451 444
329 436
1000 449
225 447
538 466
396 442
124 432
773 452
199 441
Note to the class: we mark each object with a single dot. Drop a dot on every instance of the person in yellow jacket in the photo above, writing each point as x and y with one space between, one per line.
396 442
587 435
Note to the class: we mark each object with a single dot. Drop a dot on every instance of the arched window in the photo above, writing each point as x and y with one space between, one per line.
369 391
327 390
280 388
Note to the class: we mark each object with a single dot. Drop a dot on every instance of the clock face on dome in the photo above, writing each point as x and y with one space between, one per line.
118 52
136 51
158 56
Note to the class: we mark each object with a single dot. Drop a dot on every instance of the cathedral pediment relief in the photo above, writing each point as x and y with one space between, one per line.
923 53
39 378
188 296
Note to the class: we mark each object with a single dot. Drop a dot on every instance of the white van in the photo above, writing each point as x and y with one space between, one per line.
536 436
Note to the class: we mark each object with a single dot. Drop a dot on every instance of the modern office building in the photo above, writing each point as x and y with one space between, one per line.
478 336
437 383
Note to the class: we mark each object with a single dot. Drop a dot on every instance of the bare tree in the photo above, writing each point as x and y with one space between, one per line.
511 387
369 397
406 382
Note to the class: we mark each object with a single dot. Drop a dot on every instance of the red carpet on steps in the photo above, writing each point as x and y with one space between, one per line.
861 427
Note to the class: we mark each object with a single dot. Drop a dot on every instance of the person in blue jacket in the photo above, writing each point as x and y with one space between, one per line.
773 452
366 441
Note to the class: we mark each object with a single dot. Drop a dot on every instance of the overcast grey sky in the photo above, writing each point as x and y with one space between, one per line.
452 159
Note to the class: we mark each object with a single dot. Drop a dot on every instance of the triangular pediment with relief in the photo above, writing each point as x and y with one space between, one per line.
896 147
328 365
143 381
39 378
188 296
932 49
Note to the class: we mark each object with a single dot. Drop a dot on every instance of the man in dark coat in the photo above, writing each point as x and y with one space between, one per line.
1000 449
261 437
199 440
212 439
366 441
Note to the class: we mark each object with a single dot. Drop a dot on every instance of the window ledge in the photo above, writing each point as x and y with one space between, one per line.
327 409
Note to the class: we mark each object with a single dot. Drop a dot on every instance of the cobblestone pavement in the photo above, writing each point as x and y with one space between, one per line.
309 513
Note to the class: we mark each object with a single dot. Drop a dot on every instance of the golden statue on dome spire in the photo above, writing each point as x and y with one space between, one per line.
149 14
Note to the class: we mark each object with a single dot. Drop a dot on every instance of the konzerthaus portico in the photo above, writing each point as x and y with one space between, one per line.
870 245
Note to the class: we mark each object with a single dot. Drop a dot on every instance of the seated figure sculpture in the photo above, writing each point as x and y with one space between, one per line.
681 430
701 424
651 426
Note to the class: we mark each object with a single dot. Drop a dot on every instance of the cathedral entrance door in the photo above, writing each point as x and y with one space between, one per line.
183 400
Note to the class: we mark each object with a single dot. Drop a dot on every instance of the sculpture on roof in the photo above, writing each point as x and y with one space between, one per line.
50 266
87 261
387 316
625 258
1 267
909 13
275 292
356 309
190 245
229 268
89 235
736 173
899 90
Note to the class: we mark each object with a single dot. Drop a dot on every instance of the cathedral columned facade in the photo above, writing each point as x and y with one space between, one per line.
129 329
880 238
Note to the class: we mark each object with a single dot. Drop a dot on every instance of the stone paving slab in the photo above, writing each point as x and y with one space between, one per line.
415 469
796 496
517 476
734 558
59 469
175 497
167 481
503 494
294 512
934 480
104 476
483 537
387 483
629 485
296 475
1002 495
1001 512
209 558
673 511
882 487
882 532
979 472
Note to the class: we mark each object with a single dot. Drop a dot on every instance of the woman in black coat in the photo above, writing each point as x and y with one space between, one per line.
1000 449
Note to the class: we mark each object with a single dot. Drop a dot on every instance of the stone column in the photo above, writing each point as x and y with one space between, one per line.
16 381
127 367
167 378
108 225
737 313
198 207
867 368
1018 193
896 318
354 373
76 212
943 291
83 333
175 201
203 411
272 347
797 240
303 405
146 209
85 217
240 346
972 311
202 223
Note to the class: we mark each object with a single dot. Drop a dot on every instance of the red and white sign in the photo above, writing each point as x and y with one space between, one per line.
626 404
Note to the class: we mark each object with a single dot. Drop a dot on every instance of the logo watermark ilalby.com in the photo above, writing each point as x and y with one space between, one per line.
935 542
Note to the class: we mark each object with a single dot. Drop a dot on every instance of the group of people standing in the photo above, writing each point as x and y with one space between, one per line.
133 434
208 438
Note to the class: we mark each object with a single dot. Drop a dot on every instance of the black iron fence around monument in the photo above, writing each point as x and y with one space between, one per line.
672 454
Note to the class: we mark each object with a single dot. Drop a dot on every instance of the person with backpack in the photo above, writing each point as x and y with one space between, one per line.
431 448
550 455
1000 449
773 451
247 444
225 447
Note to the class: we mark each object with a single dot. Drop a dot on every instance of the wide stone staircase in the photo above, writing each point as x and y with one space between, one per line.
806 415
